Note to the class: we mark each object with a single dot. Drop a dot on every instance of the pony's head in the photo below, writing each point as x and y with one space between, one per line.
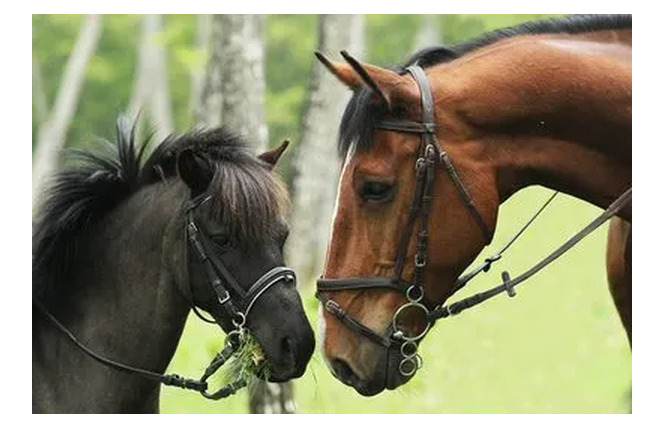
234 230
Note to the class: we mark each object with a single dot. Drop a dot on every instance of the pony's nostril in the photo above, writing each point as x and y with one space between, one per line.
288 349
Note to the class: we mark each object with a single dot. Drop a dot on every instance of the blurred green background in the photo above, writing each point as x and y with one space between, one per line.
558 347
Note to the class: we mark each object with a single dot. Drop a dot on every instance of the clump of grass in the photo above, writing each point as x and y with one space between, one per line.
248 363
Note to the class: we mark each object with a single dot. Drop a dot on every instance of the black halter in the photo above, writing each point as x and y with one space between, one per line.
230 296
430 154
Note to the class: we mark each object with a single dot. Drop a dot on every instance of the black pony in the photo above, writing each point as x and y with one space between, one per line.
112 263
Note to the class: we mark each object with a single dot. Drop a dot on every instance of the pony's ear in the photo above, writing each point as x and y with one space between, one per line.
388 86
272 156
195 170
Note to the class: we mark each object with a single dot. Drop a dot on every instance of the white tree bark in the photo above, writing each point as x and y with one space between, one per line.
151 87
208 108
51 136
235 81
316 165
429 32
197 77
160 100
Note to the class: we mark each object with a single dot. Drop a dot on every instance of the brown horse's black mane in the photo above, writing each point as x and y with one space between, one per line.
361 114
81 195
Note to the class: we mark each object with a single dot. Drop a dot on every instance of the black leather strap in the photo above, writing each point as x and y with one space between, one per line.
166 379
336 310
509 284
339 284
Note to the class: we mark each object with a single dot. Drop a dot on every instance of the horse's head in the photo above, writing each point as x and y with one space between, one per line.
382 225
234 231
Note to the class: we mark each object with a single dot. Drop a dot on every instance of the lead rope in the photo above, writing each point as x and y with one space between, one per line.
166 379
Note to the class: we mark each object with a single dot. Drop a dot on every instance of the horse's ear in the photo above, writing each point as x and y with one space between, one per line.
195 170
272 156
388 86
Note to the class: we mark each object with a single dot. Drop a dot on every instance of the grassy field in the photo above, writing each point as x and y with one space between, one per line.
558 347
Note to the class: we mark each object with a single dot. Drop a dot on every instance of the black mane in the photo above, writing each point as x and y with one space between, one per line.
360 115
82 195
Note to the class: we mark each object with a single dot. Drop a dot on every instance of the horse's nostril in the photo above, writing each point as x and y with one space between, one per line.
342 369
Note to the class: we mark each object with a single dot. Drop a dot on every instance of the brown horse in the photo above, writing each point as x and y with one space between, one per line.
546 103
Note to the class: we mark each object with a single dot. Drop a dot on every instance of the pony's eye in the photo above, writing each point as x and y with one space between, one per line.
376 191
220 239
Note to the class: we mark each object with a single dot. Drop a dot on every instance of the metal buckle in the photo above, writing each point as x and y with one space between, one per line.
429 127
332 306
191 228
224 298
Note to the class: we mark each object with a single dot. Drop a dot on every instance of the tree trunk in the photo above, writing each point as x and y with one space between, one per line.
160 100
52 134
429 32
235 81
316 166
233 93
198 75
151 88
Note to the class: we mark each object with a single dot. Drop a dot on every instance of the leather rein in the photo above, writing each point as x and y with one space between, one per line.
430 155
196 239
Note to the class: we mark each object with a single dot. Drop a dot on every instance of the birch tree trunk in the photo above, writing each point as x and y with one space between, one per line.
151 88
316 165
233 95
429 32
160 100
198 74
234 84
52 134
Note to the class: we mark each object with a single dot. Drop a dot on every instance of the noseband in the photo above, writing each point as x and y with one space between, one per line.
430 154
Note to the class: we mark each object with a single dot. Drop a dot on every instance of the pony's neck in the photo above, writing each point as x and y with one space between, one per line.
127 308
557 112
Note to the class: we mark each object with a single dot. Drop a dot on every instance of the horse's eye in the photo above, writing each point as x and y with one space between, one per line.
377 191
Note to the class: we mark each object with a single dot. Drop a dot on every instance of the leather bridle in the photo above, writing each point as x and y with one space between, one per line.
430 155
235 303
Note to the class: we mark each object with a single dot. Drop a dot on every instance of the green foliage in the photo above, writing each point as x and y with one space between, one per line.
290 43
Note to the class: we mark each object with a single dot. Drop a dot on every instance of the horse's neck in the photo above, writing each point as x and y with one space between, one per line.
556 113
128 308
